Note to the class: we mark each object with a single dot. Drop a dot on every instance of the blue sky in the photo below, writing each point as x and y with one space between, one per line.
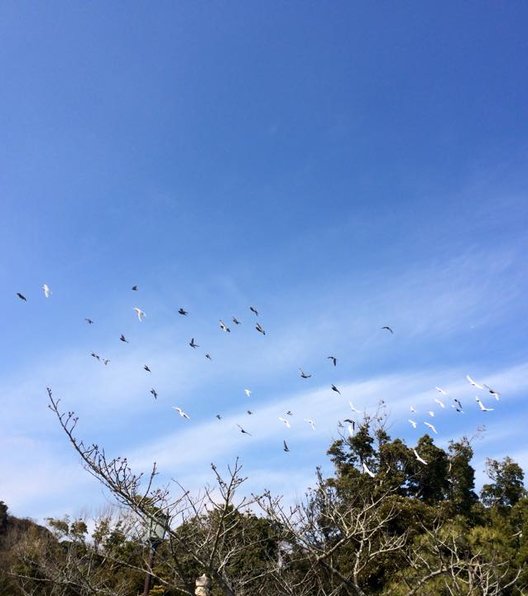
340 166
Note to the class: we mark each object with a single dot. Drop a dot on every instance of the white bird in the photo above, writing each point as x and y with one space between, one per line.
140 314
412 409
46 290
428 424
224 327
367 471
354 409
482 406
440 390
412 423
285 421
474 383
431 413
351 430
181 412
422 461
310 422
248 392
439 402
495 394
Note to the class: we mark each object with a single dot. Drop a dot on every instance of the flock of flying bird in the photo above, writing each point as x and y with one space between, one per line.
456 404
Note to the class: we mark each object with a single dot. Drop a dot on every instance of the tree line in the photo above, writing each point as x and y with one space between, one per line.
410 528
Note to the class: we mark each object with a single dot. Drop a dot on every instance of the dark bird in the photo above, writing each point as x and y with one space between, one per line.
333 359
21 296
285 448
244 432
219 417
224 327
94 355
135 288
89 321
124 339
260 329
183 312
146 368
235 321
249 412
388 328
304 375
154 393
106 361
289 413
193 344
208 356
457 405
253 309
334 388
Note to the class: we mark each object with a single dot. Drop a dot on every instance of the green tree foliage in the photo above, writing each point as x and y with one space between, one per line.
383 522
507 487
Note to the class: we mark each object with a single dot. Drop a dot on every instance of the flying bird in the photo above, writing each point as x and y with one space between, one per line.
354 409
440 390
388 329
333 359
429 425
235 321
367 471
183 312
94 355
248 392
285 421
413 423
422 461
482 406
457 405
304 375
21 296
431 413
154 393
147 368
439 402
254 310
124 339
208 356
135 288
243 431
310 422
412 408
495 394
181 412
249 412
193 344
106 361
46 290
140 314
224 327
334 388
89 321
260 329
285 448
474 383
219 417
